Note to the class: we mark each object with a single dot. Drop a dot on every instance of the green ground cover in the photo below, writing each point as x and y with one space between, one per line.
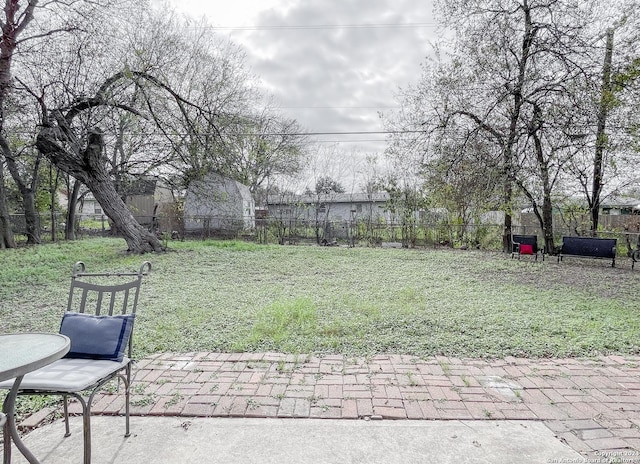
235 296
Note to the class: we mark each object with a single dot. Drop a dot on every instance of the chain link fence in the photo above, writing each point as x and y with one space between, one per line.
270 230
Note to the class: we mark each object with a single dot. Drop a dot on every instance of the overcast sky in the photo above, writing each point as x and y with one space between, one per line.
330 64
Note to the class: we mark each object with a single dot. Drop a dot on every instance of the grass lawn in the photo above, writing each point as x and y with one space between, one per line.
234 296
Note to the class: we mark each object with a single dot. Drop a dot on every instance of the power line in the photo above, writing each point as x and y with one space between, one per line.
349 133
324 26
339 107
351 141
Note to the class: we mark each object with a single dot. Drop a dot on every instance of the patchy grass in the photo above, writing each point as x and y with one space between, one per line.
237 296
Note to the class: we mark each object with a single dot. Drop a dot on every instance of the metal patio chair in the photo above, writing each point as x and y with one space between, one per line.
99 321
525 245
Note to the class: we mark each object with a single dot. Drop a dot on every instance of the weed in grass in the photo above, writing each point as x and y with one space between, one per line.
252 404
26 405
412 380
352 302
175 399
111 387
145 400
139 388
282 322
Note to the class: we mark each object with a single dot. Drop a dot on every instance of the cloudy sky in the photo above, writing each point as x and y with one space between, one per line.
330 64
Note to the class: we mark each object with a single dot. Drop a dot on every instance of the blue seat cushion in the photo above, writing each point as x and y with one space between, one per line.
97 337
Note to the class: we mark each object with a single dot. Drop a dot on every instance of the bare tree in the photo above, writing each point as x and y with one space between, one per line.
515 77
25 42
261 147
160 97
15 21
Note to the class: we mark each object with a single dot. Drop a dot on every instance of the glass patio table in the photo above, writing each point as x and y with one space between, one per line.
19 355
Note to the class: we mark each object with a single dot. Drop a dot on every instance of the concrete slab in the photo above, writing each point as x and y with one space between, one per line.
172 440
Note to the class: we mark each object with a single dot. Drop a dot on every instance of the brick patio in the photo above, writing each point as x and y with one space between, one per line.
593 405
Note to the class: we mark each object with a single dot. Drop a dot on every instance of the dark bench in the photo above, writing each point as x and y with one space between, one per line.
525 245
589 247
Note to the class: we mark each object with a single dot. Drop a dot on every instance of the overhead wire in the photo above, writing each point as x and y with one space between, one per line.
323 26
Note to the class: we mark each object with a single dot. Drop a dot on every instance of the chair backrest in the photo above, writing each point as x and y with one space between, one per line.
589 246
105 293
518 240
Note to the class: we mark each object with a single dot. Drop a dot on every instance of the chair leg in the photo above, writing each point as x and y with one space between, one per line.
6 443
10 431
65 408
86 426
127 396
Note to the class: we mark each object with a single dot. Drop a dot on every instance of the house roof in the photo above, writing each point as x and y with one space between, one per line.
607 202
287 199
141 186
620 202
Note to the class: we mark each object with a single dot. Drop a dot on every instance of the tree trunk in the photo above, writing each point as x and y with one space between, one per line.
72 207
91 169
53 189
508 218
6 234
139 239
31 217
518 101
535 128
13 23
27 192
601 136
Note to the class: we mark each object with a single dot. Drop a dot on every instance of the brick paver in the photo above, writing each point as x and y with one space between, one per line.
593 405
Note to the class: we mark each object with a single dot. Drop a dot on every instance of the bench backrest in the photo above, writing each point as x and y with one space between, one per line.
517 240
589 246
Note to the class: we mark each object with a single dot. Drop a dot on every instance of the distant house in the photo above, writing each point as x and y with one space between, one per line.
615 206
333 207
616 213
88 207
218 203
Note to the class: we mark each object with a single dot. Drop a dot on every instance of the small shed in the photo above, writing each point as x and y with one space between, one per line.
218 203
144 196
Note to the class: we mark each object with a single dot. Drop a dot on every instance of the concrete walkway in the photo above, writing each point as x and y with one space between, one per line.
171 440
591 405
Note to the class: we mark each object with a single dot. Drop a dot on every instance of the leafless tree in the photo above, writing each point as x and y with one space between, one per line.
519 75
